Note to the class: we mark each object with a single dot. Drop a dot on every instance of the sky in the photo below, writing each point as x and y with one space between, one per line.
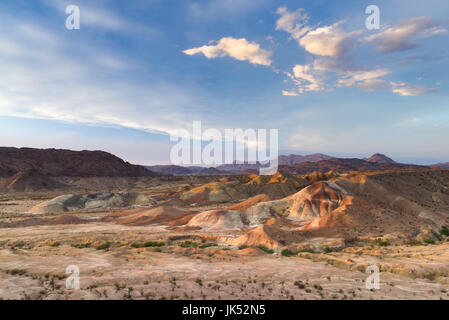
138 70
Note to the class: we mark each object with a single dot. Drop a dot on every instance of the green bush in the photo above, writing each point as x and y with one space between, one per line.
153 244
437 235
104 246
444 231
266 249
429 241
327 250
287 253
81 245
55 244
188 244
383 243
307 250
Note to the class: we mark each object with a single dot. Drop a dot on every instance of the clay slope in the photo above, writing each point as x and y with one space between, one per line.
165 214
407 203
29 180
314 201
272 234
242 188
218 220
54 162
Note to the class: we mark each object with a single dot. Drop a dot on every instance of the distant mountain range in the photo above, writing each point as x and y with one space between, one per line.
441 165
337 164
298 164
32 164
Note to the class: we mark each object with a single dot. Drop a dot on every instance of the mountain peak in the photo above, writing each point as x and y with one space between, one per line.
379 158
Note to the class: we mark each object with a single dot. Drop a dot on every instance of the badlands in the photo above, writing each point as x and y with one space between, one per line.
286 236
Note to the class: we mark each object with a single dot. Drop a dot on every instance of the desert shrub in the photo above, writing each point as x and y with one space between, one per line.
188 244
17 272
383 243
266 249
429 241
55 244
287 253
207 245
157 249
413 242
299 284
307 250
81 245
104 246
444 231
327 250
437 235
153 244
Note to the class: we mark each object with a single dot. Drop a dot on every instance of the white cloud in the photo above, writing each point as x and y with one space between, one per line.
330 41
401 36
407 90
291 93
306 78
336 55
239 49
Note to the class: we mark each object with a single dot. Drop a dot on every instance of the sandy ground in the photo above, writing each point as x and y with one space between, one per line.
33 261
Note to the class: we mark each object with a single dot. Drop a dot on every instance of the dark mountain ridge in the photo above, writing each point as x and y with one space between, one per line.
59 162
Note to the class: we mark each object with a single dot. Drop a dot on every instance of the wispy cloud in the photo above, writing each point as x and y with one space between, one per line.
403 35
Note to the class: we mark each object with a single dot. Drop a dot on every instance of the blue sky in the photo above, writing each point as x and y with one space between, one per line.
137 70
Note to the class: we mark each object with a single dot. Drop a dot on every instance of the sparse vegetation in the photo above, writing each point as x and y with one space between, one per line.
383 243
444 231
188 244
327 250
287 253
81 245
307 250
54 244
266 249
147 244
104 246
429 241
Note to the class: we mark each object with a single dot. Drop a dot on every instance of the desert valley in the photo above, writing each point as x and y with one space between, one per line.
167 232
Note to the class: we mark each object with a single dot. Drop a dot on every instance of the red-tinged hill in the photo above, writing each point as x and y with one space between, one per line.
57 162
